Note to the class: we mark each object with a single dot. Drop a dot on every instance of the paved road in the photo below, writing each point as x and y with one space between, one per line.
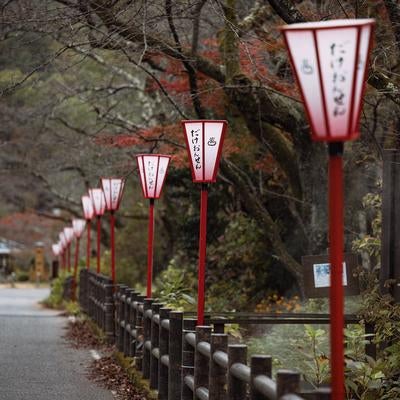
35 362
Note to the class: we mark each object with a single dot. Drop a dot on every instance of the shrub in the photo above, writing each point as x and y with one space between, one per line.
55 299
22 276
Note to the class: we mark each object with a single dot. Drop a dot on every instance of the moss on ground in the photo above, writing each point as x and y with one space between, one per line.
142 385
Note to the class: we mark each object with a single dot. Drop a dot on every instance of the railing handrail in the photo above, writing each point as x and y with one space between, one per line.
181 359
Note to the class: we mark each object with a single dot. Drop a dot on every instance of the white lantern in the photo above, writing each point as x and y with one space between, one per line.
329 60
69 234
204 140
55 249
98 201
152 171
113 189
78 226
87 206
63 240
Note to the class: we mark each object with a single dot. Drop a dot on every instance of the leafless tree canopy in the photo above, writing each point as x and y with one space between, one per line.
88 84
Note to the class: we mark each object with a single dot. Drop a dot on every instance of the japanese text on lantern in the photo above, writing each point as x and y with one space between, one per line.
151 174
115 192
339 77
196 147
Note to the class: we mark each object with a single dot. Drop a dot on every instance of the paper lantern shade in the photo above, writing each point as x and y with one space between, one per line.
55 249
113 189
329 60
204 140
87 206
78 225
69 234
152 172
63 240
98 201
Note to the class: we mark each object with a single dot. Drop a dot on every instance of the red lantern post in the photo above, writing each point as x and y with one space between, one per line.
63 243
88 213
113 189
152 172
56 249
69 234
78 226
204 140
99 206
329 60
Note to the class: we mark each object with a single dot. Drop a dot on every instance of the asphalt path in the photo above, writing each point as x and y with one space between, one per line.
35 361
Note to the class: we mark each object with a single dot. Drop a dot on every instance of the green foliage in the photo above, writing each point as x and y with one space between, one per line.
174 288
364 375
366 378
55 299
71 307
283 342
306 348
225 296
315 363
352 305
240 264
22 276
240 243
384 314
371 243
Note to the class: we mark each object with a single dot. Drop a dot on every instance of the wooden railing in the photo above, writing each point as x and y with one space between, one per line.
183 361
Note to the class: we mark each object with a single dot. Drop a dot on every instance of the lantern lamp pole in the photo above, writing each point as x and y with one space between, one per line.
88 245
98 242
75 269
150 248
112 226
63 260
336 260
69 256
202 254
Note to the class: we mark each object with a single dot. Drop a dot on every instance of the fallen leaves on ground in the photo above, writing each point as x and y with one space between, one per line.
80 335
106 372
110 375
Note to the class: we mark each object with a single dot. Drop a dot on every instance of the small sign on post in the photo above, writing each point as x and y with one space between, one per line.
317 275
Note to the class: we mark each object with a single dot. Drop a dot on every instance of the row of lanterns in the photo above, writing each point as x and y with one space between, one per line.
204 141
329 61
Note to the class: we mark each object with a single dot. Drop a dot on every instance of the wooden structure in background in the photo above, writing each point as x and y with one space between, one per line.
390 247
39 271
